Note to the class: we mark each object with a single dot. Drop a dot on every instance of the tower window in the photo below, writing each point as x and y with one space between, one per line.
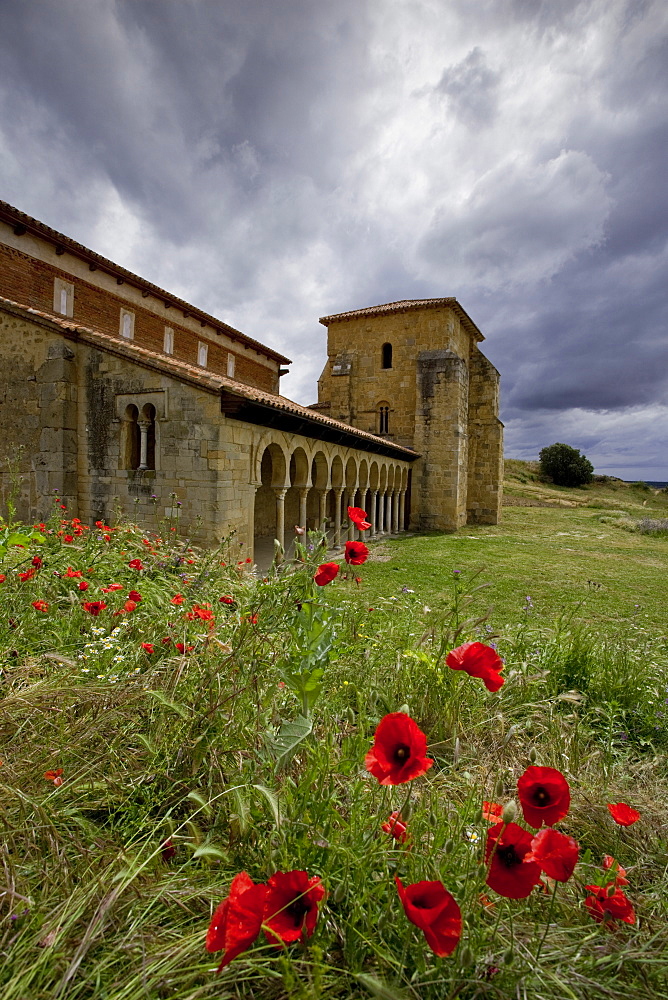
168 341
386 356
202 354
230 365
384 418
63 297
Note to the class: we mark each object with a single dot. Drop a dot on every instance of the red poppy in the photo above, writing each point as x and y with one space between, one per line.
206 614
37 562
356 553
68 538
182 648
615 869
167 850
622 814
176 599
2 577
236 922
55 776
112 587
398 751
395 827
609 901
40 606
478 660
93 607
130 606
227 600
544 796
326 573
148 647
84 585
358 517
135 596
509 874
71 573
430 907
492 811
136 564
556 854
291 905
249 619
27 575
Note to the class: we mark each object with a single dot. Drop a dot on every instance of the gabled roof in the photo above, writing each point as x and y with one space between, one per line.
238 400
408 305
23 223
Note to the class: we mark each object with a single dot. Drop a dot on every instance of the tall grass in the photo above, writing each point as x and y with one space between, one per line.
203 750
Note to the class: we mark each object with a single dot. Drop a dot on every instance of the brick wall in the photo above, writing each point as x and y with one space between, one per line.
29 281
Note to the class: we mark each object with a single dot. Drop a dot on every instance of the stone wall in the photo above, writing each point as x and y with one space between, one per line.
29 280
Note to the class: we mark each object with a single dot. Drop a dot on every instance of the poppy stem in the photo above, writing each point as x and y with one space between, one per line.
549 920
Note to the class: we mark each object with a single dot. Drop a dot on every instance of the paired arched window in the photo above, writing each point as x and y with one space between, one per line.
386 356
383 418
139 444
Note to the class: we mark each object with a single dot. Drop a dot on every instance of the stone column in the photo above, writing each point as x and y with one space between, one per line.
372 513
388 512
303 496
143 443
350 502
322 510
363 493
402 509
381 512
395 512
338 493
280 492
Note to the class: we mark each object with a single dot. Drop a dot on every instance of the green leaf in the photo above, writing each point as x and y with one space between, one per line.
209 851
168 703
286 741
200 801
378 988
273 803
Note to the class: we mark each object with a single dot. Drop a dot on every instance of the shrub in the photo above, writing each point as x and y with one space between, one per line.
565 465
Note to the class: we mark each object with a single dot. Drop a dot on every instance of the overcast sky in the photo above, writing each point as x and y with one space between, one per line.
273 161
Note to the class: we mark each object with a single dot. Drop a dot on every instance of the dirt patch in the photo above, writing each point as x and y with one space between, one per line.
526 502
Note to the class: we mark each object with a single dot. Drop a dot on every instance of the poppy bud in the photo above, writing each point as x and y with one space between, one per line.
509 812
477 816
466 956
508 957
533 755
499 788
350 715
447 846
338 893
406 811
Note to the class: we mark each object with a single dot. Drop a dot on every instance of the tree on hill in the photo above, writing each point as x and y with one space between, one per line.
565 465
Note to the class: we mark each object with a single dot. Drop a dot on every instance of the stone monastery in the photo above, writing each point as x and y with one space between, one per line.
117 395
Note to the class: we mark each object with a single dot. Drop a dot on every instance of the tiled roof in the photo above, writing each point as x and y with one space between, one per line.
17 218
195 375
407 305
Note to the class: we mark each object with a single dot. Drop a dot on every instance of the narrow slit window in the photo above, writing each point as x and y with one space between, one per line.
168 342
202 354
63 297
383 419
386 356
230 365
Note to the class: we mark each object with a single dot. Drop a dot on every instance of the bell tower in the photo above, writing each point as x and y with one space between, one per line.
412 372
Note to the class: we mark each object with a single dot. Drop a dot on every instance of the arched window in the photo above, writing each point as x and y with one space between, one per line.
147 426
383 418
132 438
386 356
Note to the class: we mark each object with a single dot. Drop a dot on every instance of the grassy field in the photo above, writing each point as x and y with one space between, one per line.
204 723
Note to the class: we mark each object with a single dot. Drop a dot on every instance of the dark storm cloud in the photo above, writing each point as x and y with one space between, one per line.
275 162
471 87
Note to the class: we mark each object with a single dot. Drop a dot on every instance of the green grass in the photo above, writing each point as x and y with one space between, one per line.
195 748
